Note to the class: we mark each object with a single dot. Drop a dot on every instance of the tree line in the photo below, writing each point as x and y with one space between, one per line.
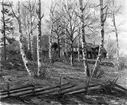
71 21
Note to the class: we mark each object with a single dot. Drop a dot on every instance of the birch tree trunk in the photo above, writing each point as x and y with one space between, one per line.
102 18
30 32
116 32
39 39
101 45
50 44
50 36
30 37
84 52
117 41
79 47
52 8
21 48
25 61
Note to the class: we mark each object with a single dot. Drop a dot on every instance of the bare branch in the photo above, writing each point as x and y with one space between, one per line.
42 16
57 19
85 7
121 23
77 14
52 9
13 12
105 14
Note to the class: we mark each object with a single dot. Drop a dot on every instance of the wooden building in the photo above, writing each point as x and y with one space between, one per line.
92 51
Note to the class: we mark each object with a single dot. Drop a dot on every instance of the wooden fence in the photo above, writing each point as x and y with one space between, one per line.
31 90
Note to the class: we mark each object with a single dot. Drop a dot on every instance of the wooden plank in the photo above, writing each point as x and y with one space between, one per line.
80 89
16 91
63 89
20 88
16 94
76 91
25 90
124 89
50 88
119 92
47 91
38 90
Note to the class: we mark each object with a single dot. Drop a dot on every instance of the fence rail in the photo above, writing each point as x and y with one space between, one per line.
31 90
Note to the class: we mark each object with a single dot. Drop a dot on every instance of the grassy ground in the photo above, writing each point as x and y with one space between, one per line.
74 75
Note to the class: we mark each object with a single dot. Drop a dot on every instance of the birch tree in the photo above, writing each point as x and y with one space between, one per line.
79 48
117 40
52 8
39 61
19 20
114 11
103 16
30 24
84 50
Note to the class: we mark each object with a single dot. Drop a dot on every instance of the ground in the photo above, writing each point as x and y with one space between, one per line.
74 75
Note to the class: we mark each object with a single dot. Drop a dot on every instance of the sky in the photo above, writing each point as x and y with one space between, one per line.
120 19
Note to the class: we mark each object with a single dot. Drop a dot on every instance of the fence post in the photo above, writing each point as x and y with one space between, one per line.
60 84
33 89
8 89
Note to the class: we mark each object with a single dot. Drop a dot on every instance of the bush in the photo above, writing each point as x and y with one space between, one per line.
14 62
122 63
99 72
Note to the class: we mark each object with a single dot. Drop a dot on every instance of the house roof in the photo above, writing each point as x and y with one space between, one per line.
92 45
87 44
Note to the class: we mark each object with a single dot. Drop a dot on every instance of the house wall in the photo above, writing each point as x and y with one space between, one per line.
90 54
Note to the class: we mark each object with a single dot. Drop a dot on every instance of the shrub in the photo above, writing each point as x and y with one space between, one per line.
99 72
122 63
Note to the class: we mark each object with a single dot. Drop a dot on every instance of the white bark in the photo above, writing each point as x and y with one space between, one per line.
83 56
25 61
50 44
38 55
23 55
103 19
79 49
52 9
117 39
39 39
86 69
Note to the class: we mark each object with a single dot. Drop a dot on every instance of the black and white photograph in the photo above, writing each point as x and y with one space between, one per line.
63 52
